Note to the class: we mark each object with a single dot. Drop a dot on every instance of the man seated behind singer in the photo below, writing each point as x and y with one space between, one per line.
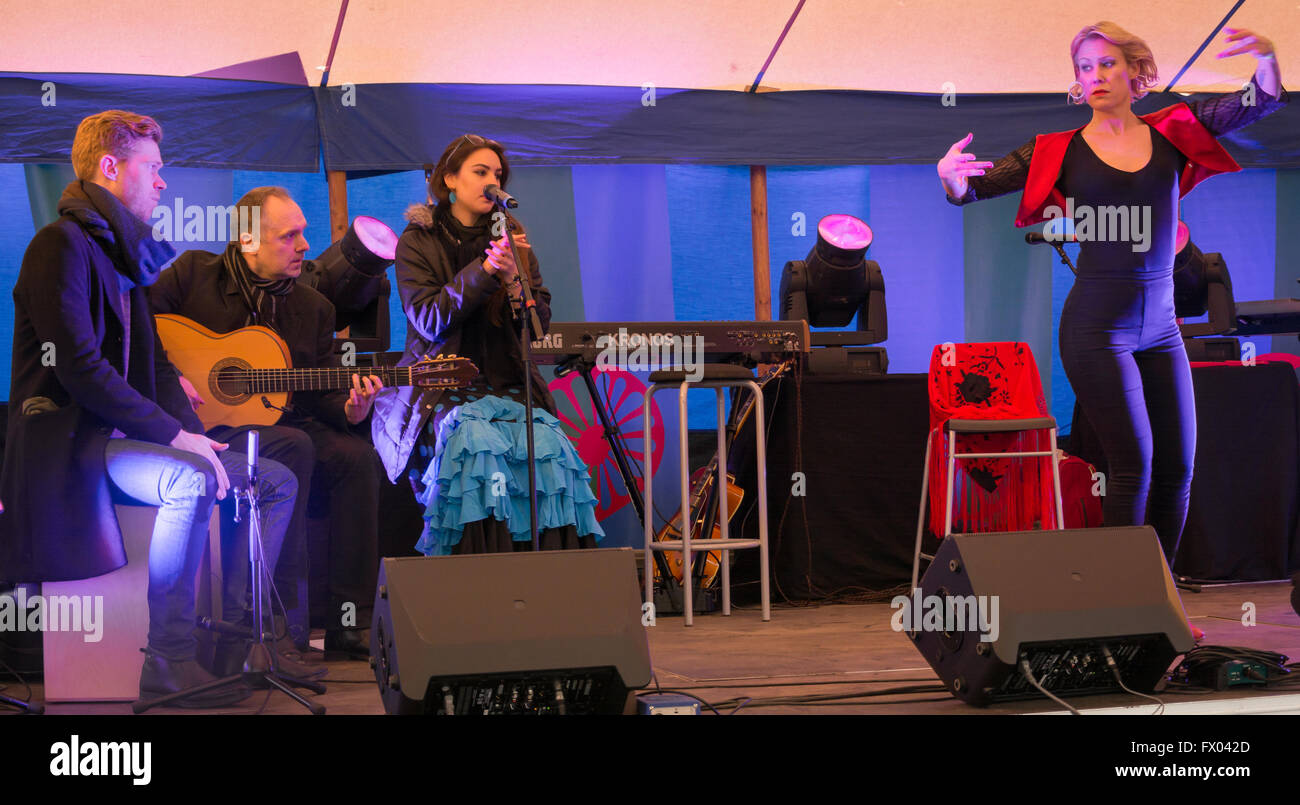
254 282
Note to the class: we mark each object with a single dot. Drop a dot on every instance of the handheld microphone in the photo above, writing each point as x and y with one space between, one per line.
500 197
1039 237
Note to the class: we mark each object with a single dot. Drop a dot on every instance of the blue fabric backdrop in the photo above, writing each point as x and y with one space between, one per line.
645 242
371 127
207 122
403 126
649 242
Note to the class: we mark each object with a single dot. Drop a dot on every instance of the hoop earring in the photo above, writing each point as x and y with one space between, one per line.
1074 94
451 196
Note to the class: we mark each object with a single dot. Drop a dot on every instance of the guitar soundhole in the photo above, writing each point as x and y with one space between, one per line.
228 381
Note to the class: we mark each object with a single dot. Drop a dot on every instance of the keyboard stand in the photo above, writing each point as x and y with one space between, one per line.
614 437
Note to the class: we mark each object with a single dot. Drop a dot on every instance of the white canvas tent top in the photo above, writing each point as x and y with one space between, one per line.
918 46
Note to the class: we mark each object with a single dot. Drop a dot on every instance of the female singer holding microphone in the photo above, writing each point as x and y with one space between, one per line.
464 450
1120 343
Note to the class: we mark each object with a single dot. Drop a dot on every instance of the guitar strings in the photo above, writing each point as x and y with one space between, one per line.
394 374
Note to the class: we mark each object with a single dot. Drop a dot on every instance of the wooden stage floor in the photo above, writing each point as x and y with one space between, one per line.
837 651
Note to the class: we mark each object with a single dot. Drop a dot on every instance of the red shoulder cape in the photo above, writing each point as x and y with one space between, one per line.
1205 158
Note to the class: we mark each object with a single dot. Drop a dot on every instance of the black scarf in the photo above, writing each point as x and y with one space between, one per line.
255 290
469 243
129 242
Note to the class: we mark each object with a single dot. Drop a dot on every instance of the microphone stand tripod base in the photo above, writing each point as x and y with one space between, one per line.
260 673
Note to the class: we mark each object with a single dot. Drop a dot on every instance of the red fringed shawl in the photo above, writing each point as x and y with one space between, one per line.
989 381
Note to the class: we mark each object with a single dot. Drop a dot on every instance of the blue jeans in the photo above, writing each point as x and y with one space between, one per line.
183 487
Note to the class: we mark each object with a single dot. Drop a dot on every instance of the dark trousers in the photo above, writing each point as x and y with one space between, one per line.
1124 356
345 469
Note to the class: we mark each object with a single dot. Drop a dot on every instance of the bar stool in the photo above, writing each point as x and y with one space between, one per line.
716 377
952 427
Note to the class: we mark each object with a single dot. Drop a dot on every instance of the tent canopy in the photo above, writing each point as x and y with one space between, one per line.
895 45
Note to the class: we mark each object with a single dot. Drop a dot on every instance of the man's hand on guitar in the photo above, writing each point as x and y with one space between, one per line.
361 397
201 445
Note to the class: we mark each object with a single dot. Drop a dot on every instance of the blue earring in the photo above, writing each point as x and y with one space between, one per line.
452 196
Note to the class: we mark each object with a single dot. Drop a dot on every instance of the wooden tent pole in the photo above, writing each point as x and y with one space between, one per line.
337 180
338 187
758 227
338 190
758 197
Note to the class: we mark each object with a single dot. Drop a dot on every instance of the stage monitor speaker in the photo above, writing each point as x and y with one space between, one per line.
1056 599
553 632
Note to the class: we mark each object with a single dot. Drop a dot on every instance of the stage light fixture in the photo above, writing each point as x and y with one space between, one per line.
352 274
1201 284
831 287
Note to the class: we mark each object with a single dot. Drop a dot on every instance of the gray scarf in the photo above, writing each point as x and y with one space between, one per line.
255 290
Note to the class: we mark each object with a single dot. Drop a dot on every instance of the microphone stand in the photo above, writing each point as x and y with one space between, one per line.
1065 258
260 670
531 331
1056 243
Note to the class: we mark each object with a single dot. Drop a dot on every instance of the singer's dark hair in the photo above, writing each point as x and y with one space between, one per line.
453 158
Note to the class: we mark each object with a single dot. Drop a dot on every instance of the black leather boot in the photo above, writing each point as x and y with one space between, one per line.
161 676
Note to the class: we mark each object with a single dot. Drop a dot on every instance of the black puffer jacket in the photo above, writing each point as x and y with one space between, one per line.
449 310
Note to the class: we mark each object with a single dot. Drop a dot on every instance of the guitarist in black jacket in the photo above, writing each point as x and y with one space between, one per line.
254 281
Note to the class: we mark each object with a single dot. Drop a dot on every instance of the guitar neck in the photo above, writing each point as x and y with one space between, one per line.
328 379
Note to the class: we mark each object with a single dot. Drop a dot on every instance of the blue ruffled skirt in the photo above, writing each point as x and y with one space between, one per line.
479 472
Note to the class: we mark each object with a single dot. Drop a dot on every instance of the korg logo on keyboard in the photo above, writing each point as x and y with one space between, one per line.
652 351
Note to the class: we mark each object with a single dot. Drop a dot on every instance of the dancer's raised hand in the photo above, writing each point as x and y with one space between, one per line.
957 165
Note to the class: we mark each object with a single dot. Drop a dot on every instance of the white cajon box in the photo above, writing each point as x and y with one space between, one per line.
77 670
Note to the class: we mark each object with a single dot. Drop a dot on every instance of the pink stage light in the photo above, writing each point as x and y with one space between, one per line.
845 231
376 236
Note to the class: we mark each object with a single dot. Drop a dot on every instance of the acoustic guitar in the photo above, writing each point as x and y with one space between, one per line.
247 376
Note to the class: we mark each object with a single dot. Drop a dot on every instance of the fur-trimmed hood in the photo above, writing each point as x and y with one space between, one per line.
420 214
